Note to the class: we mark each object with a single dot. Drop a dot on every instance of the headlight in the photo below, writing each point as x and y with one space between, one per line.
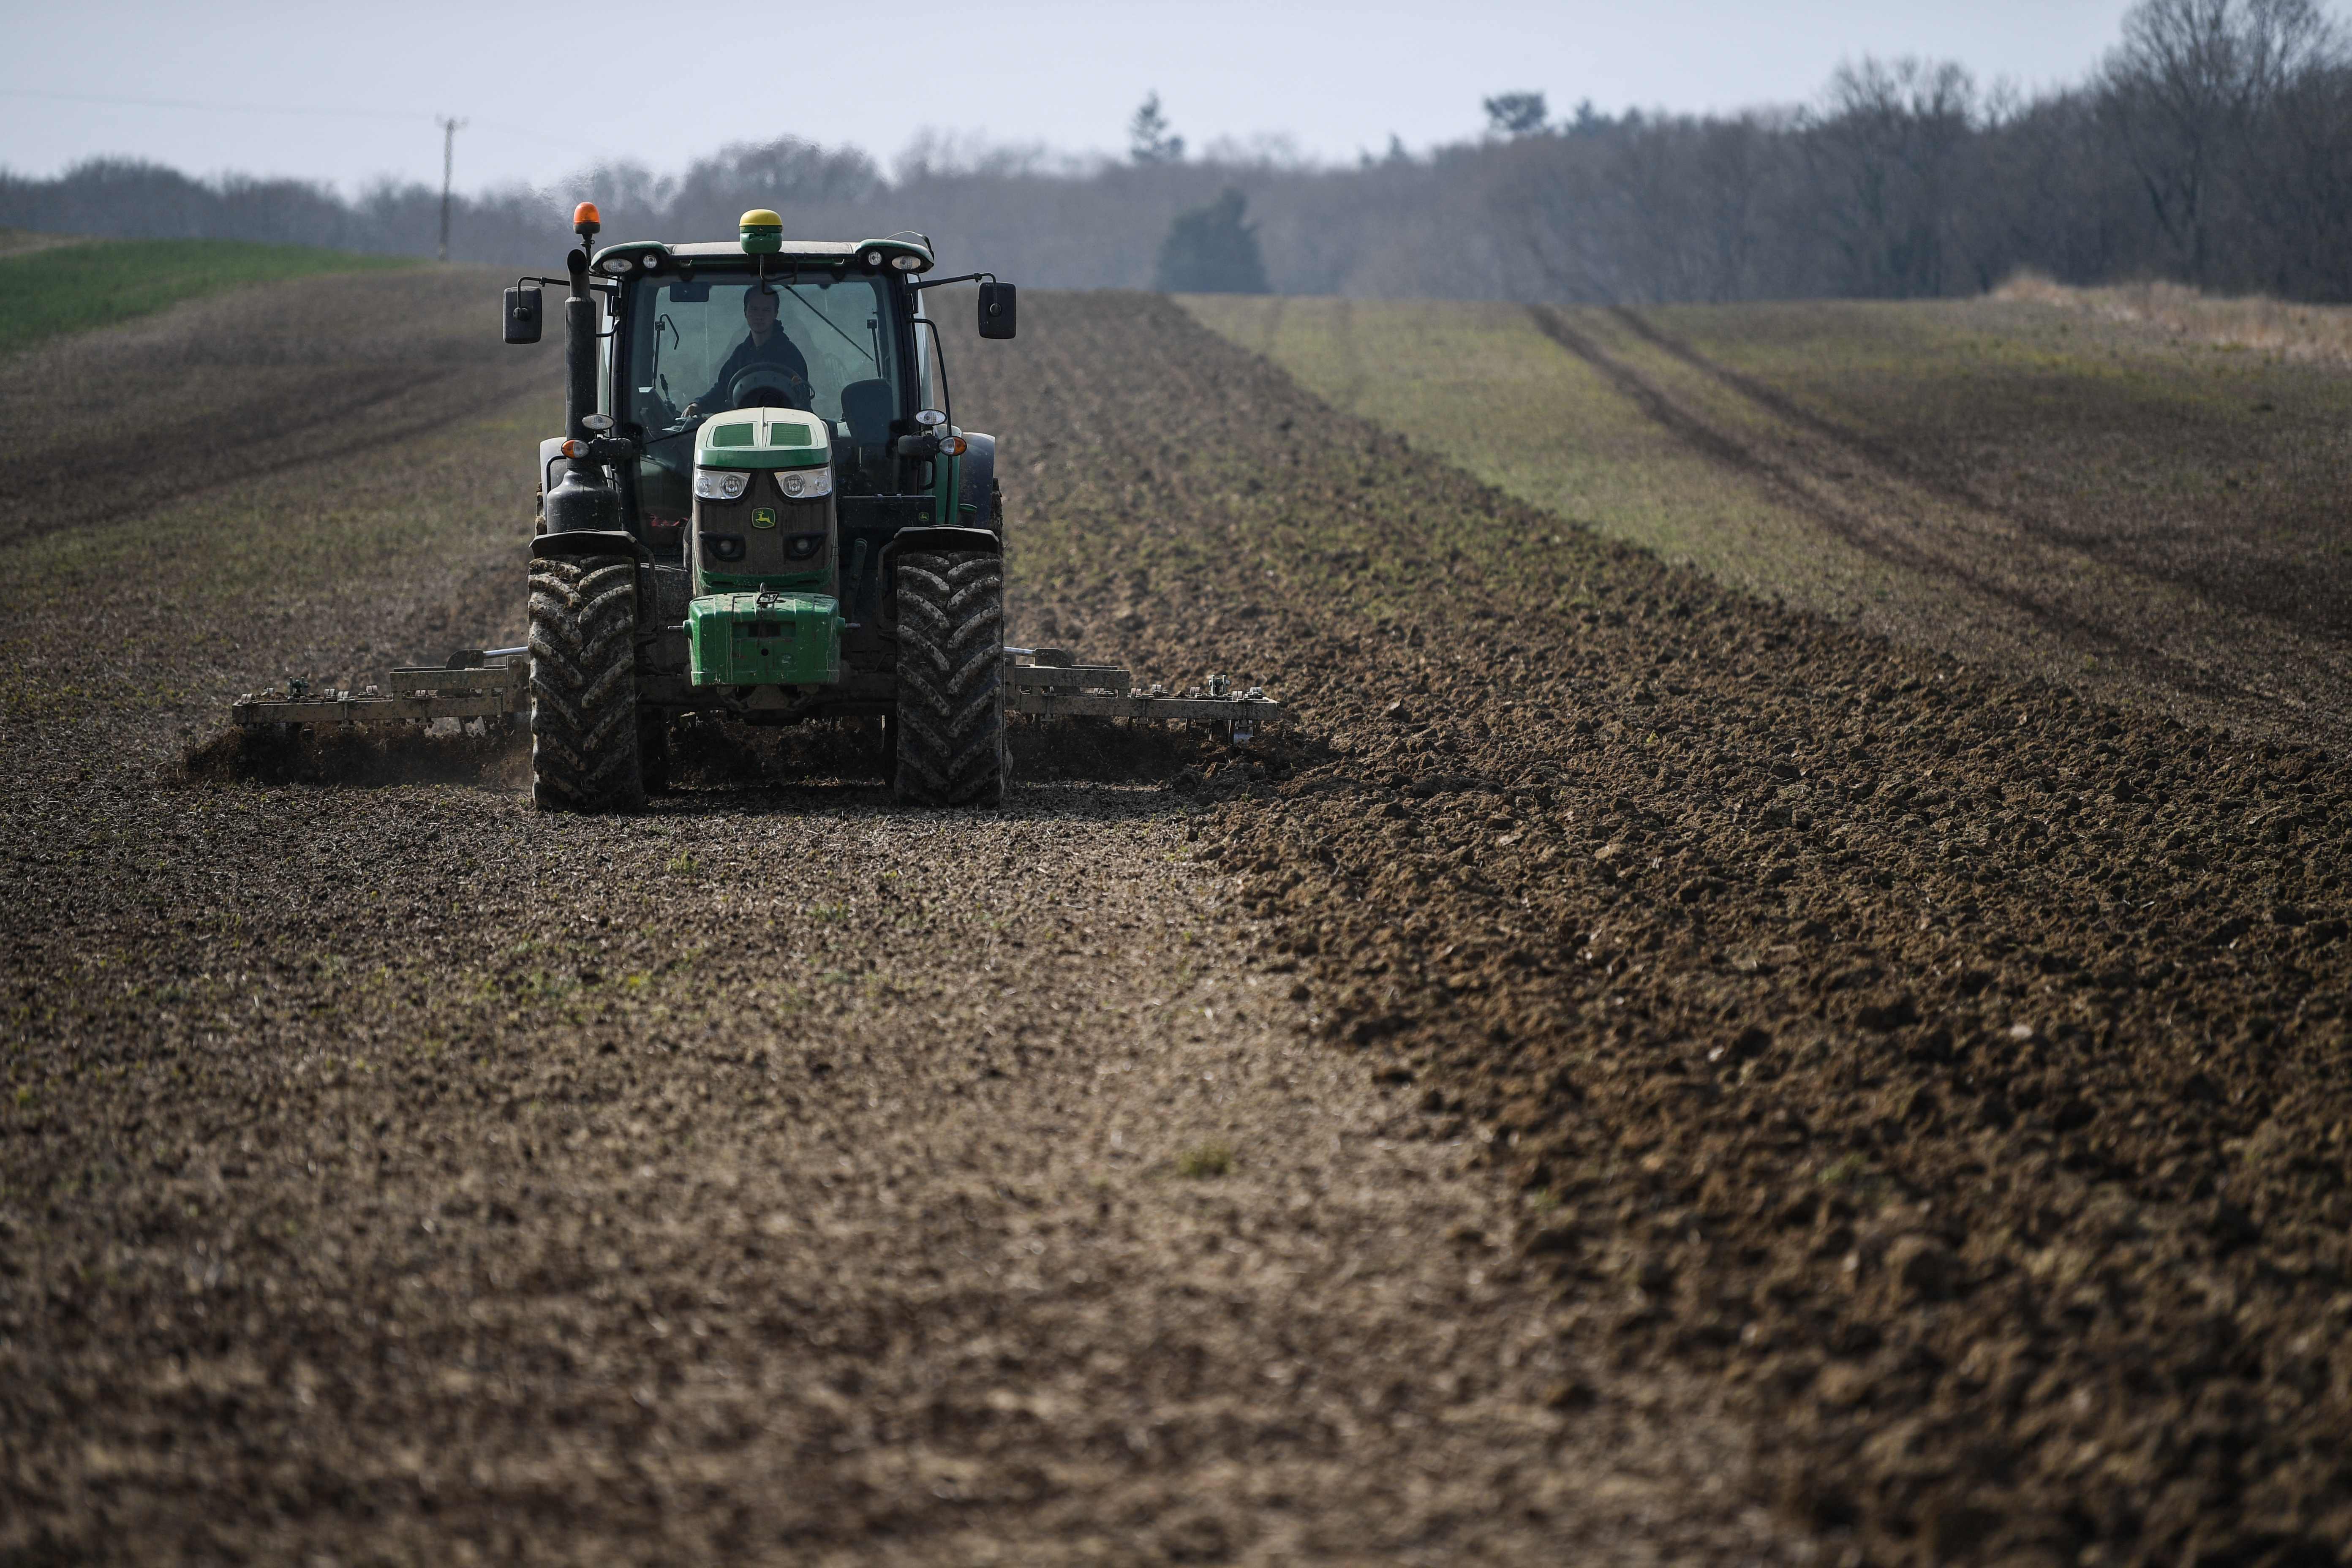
805 484
713 484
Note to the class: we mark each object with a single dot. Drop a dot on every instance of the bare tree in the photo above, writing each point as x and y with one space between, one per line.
2298 187
1559 217
1732 165
1889 151
2186 86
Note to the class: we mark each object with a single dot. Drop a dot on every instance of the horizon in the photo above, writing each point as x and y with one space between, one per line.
267 91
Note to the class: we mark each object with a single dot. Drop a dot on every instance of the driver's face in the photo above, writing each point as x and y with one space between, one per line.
759 311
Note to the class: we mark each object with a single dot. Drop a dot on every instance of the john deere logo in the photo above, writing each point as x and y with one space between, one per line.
763 517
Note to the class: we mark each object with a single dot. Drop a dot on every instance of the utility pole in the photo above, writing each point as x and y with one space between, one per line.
449 128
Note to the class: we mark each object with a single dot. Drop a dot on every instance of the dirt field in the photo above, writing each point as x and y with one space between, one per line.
391 1174
1641 1076
2101 500
1950 1063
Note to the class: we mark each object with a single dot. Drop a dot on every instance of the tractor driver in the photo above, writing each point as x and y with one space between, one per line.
764 347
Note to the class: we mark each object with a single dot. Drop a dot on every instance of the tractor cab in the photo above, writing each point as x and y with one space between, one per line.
833 330
849 347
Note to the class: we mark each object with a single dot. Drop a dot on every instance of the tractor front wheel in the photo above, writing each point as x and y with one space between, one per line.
950 729
584 752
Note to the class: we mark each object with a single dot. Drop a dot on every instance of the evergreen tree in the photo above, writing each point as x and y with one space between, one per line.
1149 138
1209 250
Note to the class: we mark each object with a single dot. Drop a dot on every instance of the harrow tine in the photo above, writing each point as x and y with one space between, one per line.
1057 685
475 684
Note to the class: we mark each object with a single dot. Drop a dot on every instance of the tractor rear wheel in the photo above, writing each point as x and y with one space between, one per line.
949 728
584 753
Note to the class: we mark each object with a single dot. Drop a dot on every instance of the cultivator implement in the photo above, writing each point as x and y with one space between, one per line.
1052 684
488 684
493 685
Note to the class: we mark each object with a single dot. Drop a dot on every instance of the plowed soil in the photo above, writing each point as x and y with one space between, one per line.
307 376
1637 1075
388 1173
1953 1068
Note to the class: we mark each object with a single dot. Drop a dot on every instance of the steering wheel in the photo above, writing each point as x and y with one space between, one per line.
768 385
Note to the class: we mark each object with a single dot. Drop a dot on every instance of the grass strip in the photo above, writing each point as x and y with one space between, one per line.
76 288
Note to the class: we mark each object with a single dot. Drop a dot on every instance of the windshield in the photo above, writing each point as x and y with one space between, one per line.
720 343
823 345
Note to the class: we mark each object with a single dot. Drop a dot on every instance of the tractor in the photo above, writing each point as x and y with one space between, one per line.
760 509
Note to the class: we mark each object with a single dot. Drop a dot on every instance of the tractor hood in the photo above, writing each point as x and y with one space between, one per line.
764 438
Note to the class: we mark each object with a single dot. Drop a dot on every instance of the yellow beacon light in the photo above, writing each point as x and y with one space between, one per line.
763 232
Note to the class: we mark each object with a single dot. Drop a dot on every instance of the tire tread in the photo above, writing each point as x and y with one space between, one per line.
952 748
584 686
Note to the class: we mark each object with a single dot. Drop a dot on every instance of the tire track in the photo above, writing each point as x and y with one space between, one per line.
2112 548
1817 489
1868 450
1352 373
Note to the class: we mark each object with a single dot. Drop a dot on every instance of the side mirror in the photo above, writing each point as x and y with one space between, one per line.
523 315
998 309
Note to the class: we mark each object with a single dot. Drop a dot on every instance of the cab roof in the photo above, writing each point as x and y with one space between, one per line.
899 253
729 250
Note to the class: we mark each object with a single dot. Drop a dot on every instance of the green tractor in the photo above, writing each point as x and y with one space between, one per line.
761 509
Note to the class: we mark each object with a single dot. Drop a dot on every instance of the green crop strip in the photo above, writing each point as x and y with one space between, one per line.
76 288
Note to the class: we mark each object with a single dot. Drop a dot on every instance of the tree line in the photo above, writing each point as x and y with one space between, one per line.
2213 146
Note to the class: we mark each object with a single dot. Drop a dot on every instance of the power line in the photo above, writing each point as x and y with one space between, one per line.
536 133
210 108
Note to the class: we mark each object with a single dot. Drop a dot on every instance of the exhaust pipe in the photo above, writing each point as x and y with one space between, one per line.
583 499
579 329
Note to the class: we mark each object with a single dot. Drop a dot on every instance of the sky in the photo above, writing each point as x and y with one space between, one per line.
347 94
